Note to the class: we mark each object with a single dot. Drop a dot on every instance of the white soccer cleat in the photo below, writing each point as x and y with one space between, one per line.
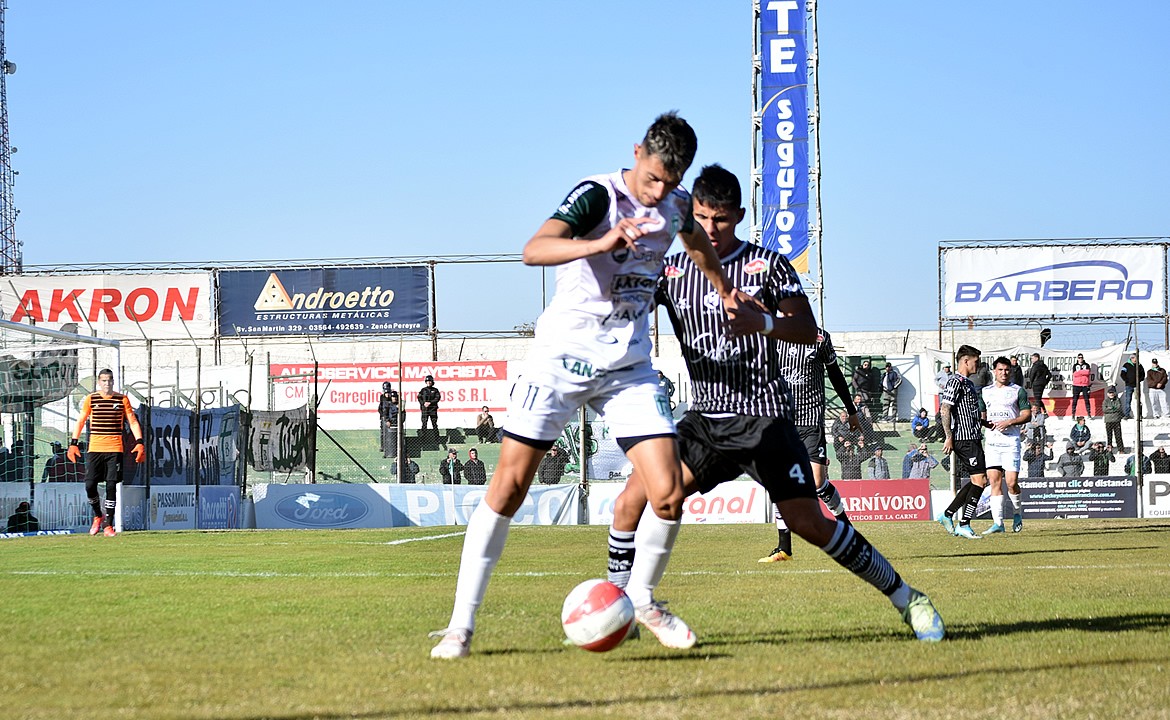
455 644
669 628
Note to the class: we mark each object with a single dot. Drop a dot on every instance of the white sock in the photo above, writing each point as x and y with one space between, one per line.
482 546
780 524
997 509
652 545
1016 499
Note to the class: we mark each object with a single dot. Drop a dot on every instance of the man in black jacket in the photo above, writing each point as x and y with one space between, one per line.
388 417
428 403
1132 374
23 520
473 469
451 469
1037 377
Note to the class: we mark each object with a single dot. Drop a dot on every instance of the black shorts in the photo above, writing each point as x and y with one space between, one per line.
767 449
970 455
813 437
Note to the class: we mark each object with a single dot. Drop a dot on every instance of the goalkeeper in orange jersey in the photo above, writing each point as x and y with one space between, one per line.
107 412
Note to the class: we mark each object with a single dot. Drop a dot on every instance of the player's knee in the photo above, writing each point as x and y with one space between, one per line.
814 528
627 510
668 505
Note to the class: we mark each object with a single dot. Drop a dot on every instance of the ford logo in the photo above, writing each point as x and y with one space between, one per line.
322 509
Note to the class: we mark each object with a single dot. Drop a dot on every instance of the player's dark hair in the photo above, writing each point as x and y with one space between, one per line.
1001 360
672 141
966 351
106 371
717 187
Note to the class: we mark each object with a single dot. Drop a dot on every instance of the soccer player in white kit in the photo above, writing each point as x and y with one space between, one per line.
1008 410
592 346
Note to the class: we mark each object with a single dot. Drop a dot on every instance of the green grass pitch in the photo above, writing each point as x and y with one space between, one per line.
1069 619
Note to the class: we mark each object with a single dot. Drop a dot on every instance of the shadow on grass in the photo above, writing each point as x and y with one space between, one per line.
1101 623
1013 552
756 692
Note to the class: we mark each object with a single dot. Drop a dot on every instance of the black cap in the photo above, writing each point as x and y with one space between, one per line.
429 378
386 387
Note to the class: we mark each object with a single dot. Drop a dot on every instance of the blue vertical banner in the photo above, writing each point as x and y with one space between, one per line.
784 129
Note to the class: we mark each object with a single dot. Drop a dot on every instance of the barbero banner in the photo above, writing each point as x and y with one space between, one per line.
155 306
784 130
279 440
1054 280
324 301
348 393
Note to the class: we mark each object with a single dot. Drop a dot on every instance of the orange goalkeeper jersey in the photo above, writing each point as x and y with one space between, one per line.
106 415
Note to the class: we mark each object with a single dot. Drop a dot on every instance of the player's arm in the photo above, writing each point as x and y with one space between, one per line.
944 409
587 205
135 428
74 451
841 387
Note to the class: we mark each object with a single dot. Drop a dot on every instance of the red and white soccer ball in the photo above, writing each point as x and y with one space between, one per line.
597 616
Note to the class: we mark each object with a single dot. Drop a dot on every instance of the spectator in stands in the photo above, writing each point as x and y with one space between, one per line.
1147 467
1156 386
891 379
982 377
409 470
12 463
1080 434
473 470
59 469
920 425
943 377
850 460
552 466
1035 431
23 520
428 403
1161 460
1132 374
485 426
1082 374
921 463
1101 457
389 411
1017 373
908 460
1112 413
864 383
876 468
1071 464
842 433
667 387
451 468
1036 456
1037 377
864 416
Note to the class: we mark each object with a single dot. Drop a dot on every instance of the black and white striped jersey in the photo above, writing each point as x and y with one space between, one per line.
730 375
966 407
804 369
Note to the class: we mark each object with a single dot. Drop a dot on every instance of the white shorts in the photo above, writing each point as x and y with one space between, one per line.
548 393
1006 457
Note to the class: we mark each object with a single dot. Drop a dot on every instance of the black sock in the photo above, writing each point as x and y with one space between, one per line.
621 557
111 505
96 504
959 501
785 541
972 503
853 552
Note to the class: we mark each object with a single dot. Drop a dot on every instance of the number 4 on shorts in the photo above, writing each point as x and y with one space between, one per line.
797 474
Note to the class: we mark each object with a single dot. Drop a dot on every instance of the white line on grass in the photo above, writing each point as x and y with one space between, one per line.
420 539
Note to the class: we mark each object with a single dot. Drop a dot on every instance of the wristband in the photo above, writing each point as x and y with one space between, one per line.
73 442
138 442
769 323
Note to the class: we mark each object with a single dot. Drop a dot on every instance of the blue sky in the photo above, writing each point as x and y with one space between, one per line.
255 130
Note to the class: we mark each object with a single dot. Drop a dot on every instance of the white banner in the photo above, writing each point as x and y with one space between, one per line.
165 306
64 506
1156 496
739 501
172 507
1081 280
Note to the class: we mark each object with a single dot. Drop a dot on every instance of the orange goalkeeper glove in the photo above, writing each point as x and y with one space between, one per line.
74 452
139 452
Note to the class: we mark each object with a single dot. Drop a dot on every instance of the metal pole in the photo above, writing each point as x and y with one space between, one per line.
434 315
198 434
313 435
1139 469
148 431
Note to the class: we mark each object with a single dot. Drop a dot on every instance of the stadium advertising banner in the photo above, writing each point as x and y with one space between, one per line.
324 301
1157 492
219 431
168 437
784 130
885 499
172 507
739 501
219 508
133 507
349 392
62 506
155 306
1080 497
1065 280
279 440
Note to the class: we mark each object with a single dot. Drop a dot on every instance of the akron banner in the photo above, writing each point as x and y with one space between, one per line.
1054 280
324 301
784 130
155 306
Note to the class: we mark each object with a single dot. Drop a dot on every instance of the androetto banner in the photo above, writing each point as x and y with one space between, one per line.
1054 280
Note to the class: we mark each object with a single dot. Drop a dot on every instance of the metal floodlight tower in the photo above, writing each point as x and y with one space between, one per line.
11 257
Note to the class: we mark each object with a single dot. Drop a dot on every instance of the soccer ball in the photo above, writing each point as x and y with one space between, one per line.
597 616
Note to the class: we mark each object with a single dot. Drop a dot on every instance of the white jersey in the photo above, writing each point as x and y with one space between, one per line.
1004 403
600 312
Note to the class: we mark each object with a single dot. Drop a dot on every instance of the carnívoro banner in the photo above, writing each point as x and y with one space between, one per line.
324 301
1054 280
157 306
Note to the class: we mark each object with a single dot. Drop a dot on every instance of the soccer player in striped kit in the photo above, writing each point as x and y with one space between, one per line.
107 413
805 367
962 408
742 417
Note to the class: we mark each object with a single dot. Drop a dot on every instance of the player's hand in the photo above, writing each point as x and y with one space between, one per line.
625 234
139 453
745 315
948 446
854 422
73 454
